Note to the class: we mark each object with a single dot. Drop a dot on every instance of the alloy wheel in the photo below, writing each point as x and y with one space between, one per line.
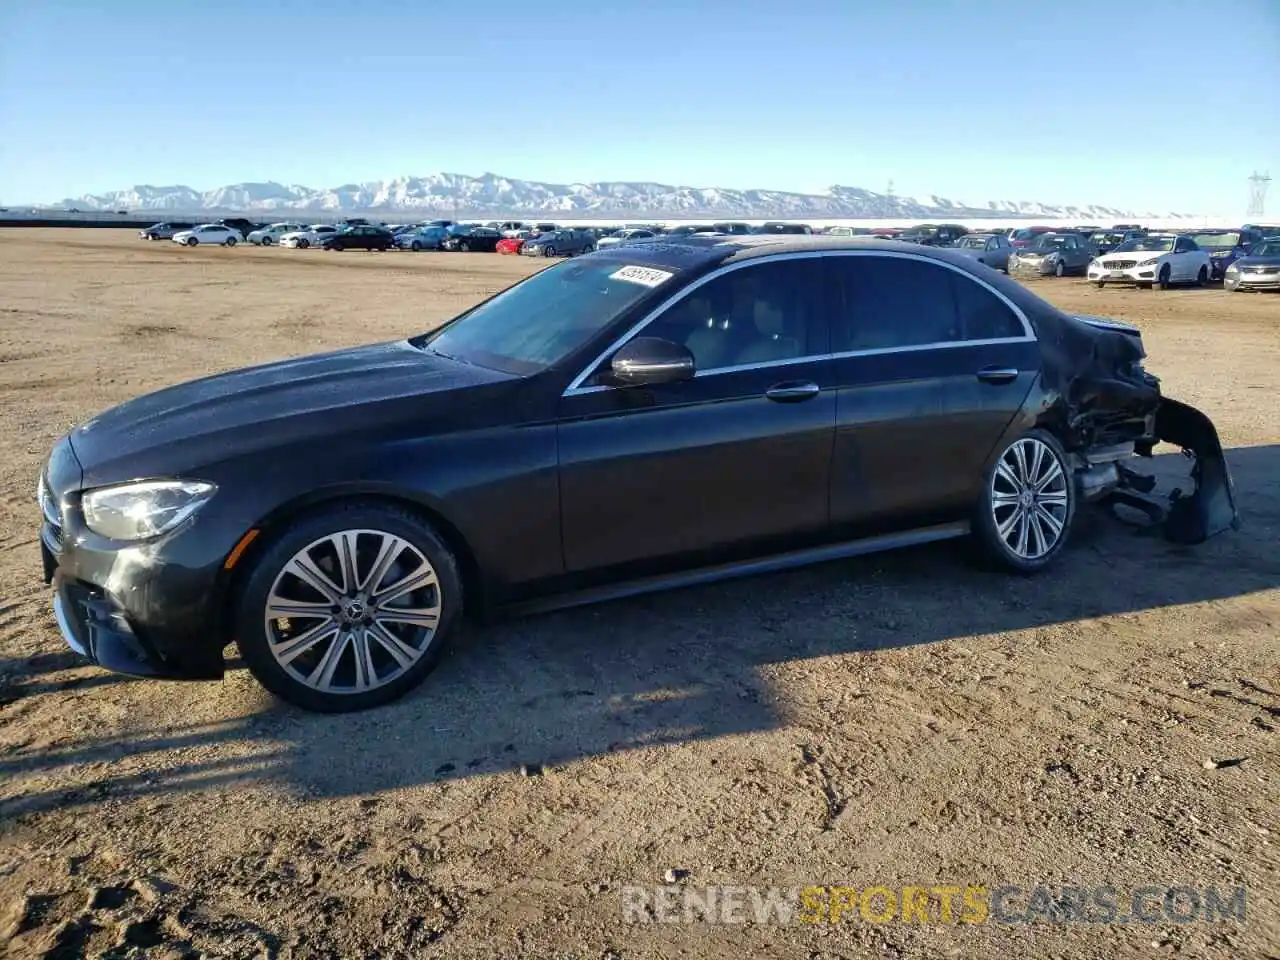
352 611
1029 498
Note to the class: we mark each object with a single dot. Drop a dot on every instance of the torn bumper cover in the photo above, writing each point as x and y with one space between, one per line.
1184 517
1211 507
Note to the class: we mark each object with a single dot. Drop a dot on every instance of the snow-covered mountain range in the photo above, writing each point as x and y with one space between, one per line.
491 194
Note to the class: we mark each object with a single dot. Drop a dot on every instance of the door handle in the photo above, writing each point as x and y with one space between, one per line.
998 374
793 391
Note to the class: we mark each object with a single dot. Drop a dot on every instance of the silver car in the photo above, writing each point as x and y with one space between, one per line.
1053 254
990 248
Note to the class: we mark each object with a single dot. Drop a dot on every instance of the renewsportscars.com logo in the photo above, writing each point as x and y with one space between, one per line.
939 903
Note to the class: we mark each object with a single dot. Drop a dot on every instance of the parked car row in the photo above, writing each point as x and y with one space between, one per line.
1246 258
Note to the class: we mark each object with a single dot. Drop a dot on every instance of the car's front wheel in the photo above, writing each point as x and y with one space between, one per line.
1028 503
349 608
267 241
192 241
1059 269
1202 279
303 243
1166 277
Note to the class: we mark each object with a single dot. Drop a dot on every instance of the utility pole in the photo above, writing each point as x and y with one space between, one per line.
1257 194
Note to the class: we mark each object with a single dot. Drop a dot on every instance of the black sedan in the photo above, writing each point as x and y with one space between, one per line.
360 238
639 418
464 239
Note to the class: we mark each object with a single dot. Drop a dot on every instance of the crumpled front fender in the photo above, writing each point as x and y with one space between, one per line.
1211 507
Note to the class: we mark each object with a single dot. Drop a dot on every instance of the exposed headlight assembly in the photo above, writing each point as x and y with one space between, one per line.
1233 269
1150 262
143 509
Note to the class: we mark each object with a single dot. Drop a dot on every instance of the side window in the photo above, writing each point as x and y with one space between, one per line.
762 313
1183 245
1073 243
892 302
983 315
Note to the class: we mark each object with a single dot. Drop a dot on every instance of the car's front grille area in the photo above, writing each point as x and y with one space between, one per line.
50 510
1120 264
1261 271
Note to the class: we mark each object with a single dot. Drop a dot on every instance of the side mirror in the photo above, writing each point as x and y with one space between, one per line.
648 360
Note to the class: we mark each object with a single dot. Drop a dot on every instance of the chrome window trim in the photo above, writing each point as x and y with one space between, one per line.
576 389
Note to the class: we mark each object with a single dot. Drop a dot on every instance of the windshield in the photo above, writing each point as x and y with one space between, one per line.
1146 245
972 243
1107 237
1026 233
1048 241
1267 248
542 320
1217 241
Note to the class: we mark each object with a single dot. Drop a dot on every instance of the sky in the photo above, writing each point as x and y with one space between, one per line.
1162 107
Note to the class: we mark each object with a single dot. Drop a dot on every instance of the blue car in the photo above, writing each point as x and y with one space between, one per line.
1227 246
421 238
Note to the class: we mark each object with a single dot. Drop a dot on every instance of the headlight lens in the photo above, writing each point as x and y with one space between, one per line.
148 508
1233 269
1148 262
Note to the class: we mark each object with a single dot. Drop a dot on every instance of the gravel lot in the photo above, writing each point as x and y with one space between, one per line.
898 719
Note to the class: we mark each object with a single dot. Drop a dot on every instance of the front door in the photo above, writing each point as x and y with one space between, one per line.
739 453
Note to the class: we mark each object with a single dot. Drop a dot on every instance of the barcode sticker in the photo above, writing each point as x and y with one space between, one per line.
646 276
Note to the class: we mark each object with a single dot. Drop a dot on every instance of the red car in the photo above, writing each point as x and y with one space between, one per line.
1026 235
510 244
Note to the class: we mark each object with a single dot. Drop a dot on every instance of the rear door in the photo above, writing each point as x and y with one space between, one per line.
931 366
741 453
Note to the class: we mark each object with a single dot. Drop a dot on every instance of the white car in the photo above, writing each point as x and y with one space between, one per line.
625 236
1163 259
209 233
311 236
271 234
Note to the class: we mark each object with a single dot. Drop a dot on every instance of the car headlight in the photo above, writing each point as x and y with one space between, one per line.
1233 269
143 509
1149 263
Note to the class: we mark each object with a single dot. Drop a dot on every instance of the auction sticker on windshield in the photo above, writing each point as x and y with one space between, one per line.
645 276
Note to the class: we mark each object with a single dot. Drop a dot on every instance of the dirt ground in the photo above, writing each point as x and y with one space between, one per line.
892 720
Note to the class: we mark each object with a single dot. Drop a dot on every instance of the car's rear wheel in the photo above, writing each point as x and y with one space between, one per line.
1028 503
230 242
349 609
1165 278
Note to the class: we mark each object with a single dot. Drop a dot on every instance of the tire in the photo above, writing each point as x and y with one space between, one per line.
1003 527
300 680
267 241
548 251
1059 270
336 246
1101 284
1202 278
304 243
415 246
1164 278
192 241
230 242
464 247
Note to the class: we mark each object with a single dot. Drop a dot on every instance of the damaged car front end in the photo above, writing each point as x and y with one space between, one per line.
1110 412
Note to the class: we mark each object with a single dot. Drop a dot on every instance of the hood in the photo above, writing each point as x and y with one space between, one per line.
1267 261
184 427
1138 255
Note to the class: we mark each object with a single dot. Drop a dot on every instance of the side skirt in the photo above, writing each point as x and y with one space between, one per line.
739 568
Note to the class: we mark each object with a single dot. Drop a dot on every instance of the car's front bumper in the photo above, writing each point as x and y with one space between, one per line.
1034 268
1139 274
149 609
1242 280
